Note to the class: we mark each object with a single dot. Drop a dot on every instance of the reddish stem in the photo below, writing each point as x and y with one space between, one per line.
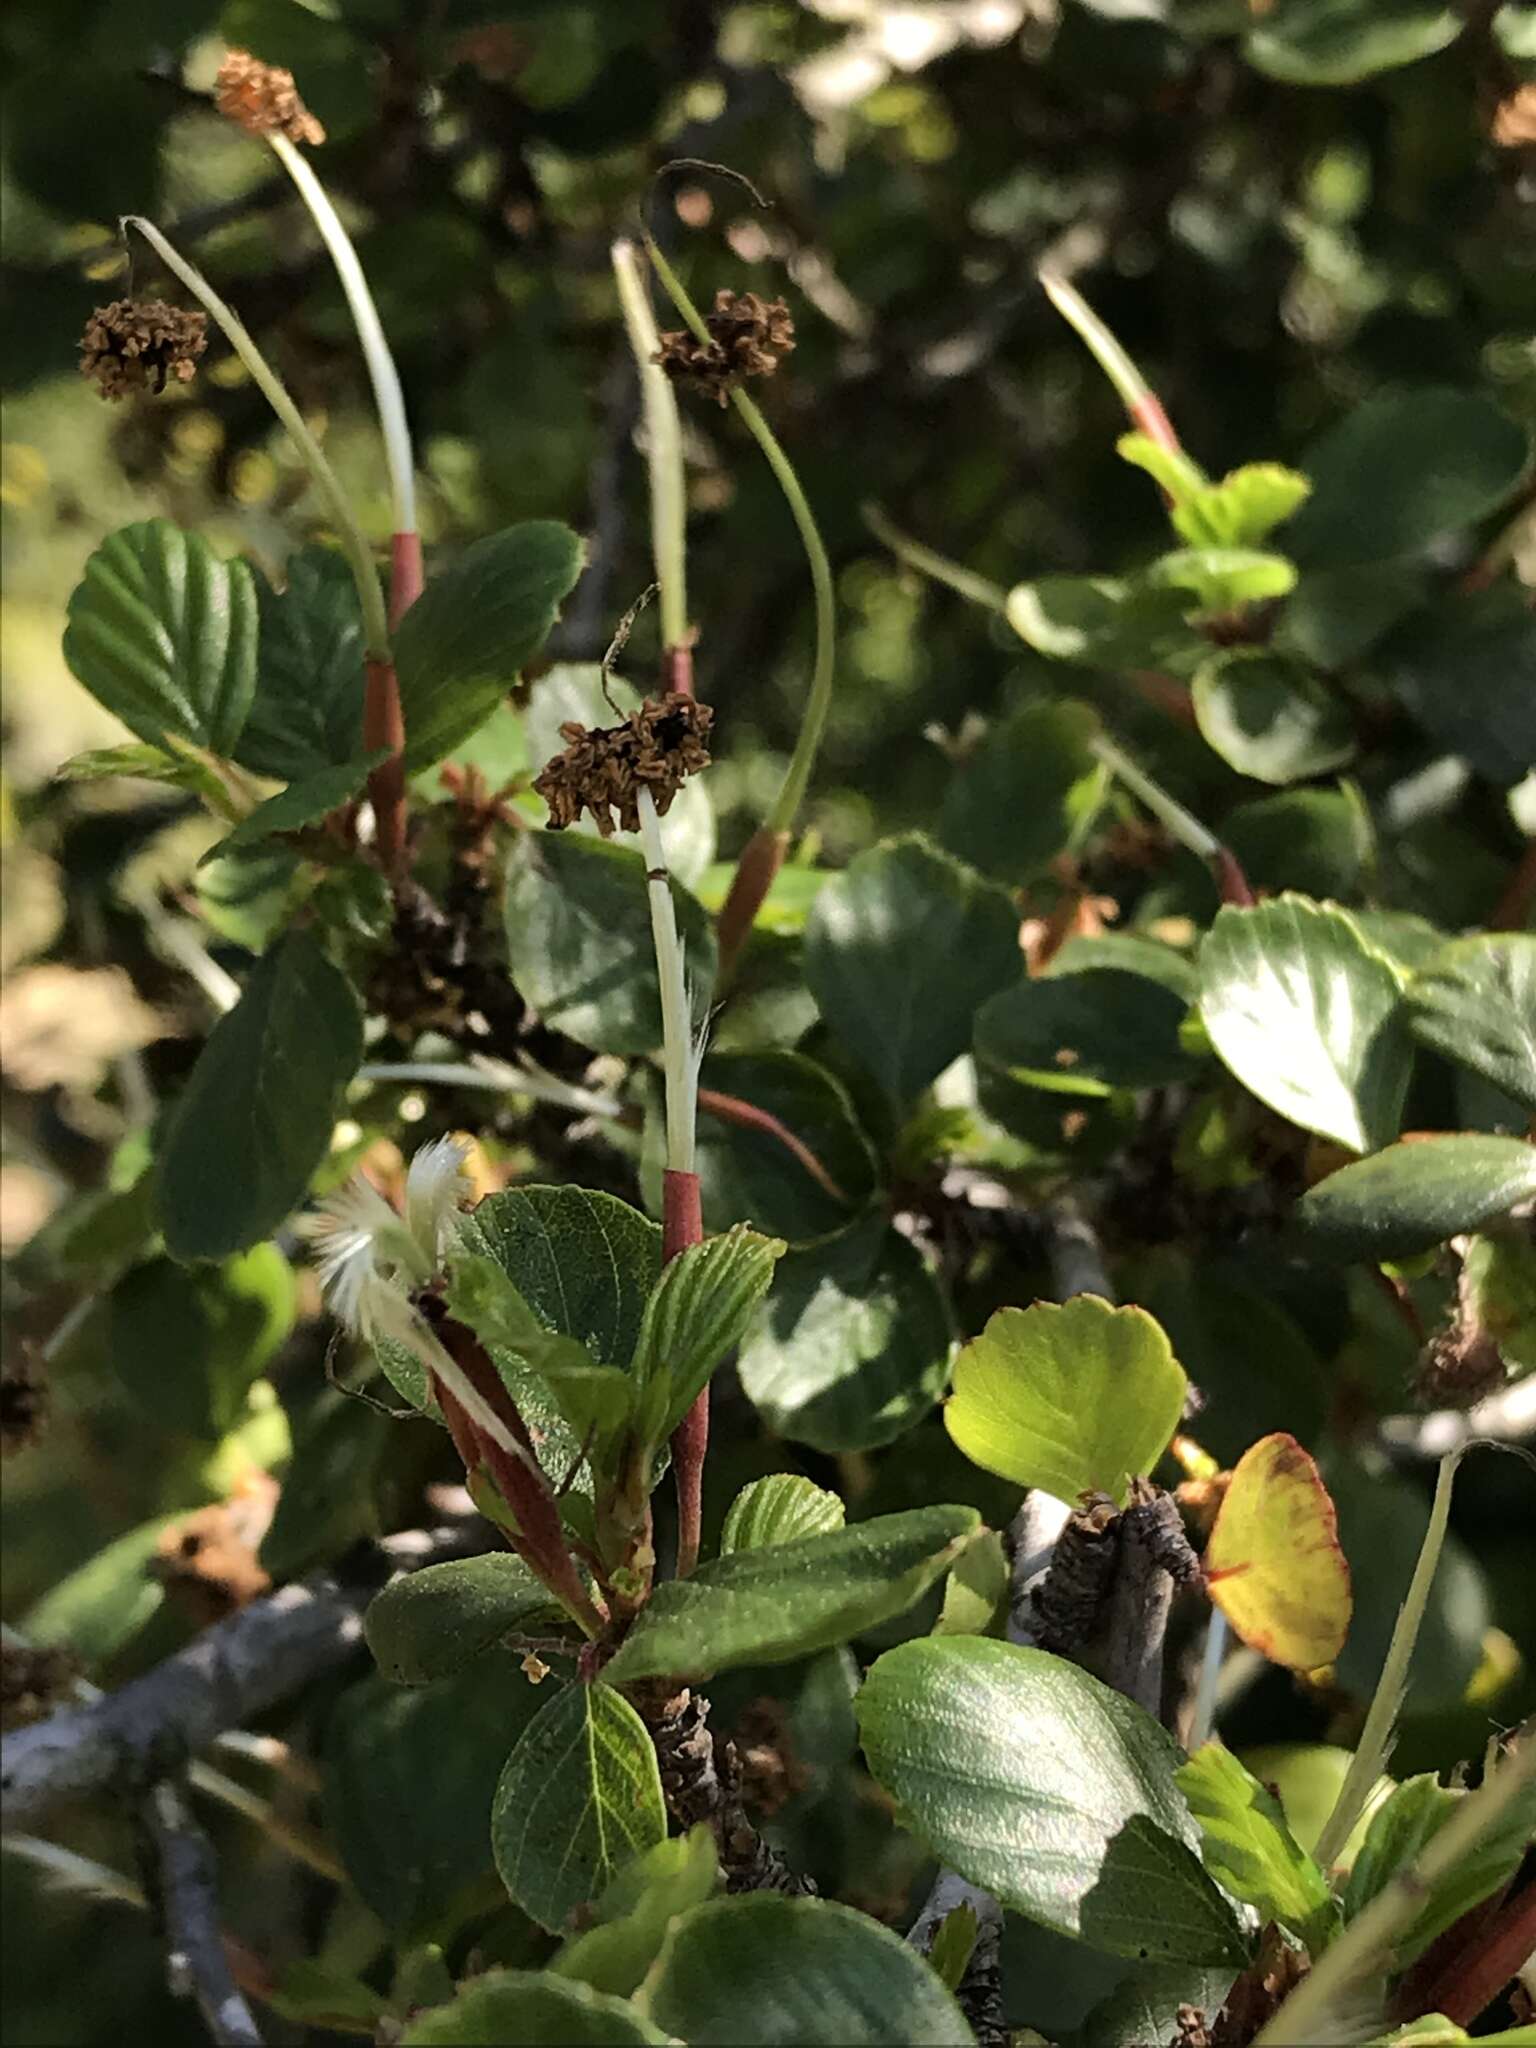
1513 906
682 1224
732 1110
1148 414
761 858
1496 1953
677 671
405 575
384 726
1231 881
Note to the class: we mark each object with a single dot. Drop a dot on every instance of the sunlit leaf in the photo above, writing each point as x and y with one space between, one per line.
1274 1564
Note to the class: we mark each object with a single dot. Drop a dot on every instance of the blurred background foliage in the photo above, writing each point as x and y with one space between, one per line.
1281 209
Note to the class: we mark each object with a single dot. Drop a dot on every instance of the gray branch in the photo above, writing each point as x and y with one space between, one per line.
229 1674
189 1902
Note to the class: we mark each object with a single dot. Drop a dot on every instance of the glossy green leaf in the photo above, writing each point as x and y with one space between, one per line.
1072 1398
409 1776
749 1174
852 1346
770 1972
531 2006
901 951
307 712
1338 42
1402 1828
771 1606
698 1312
580 1795
1269 717
1476 1003
254 1120
1249 1848
1100 621
459 648
1222 579
1029 1777
579 939
188 1345
429 1624
1466 670
637 1911
1307 1015
164 634
584 1261
1106 1014
1026 792
781 1508
1406 463
1415 1195
302 803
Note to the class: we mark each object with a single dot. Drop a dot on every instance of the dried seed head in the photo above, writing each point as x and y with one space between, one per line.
23 1400
748 335
604 769
137 344
32 1683
263 99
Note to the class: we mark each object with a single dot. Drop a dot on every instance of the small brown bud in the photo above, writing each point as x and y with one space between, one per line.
136 344
23 1399
604 769
33 1681
263 99
748 335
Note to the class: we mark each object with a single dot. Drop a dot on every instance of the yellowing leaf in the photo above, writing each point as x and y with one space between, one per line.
1274 1563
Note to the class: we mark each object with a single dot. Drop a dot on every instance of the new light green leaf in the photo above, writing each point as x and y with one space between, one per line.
580 1795
1475 1002
1242 510
900 952
1222 579
431 1623
1415 1195
1072 1398
1307 1014
254 1120
164 634
1248 1847
769 1972
1404 1825
502 2006
637 1910
698 1312
782 1508
459 648
771 1606
1027 1776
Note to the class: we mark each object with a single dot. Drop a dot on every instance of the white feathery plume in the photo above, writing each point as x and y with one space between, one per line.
436 1187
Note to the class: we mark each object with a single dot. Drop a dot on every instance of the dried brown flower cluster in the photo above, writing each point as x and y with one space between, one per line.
138 344
748 335
263 99
604 769
32 1683
23 1400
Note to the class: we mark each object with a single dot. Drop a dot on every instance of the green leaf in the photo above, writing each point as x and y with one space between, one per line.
1339 42
772 1606
98 1606
1222 579
1074 1398
1243 509
698 1312
769 1972
953 1945
1177 475
1334 615
781 1508
976 1595
1314 841
1404 466
1100 621
408 1782
852 1347
302 803
750 1173
307 713
1476 1002
1106 1014
336 1488
1026 792
1029 1777
1499 1278
1307 1015
531 2006
250 897
1248 1847
148 764
1415 1195
254 1120
579 939
637 1910
1466 670
901 903
459 648
1269 717
1403 1827
580 1795
430 1624
584 1261
189 1345
164 634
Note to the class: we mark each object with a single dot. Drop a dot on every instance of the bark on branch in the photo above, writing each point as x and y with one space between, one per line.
186 1883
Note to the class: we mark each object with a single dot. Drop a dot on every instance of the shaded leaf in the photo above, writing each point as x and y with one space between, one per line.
1026 792
1106 1014
188 1345
782 1508
1101 621
1476 1002
1466 670
303 803
636 1912
1268 717
750 1174
1337 42
429 1624
1274 1564
307 712
502 2006
1415 1195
